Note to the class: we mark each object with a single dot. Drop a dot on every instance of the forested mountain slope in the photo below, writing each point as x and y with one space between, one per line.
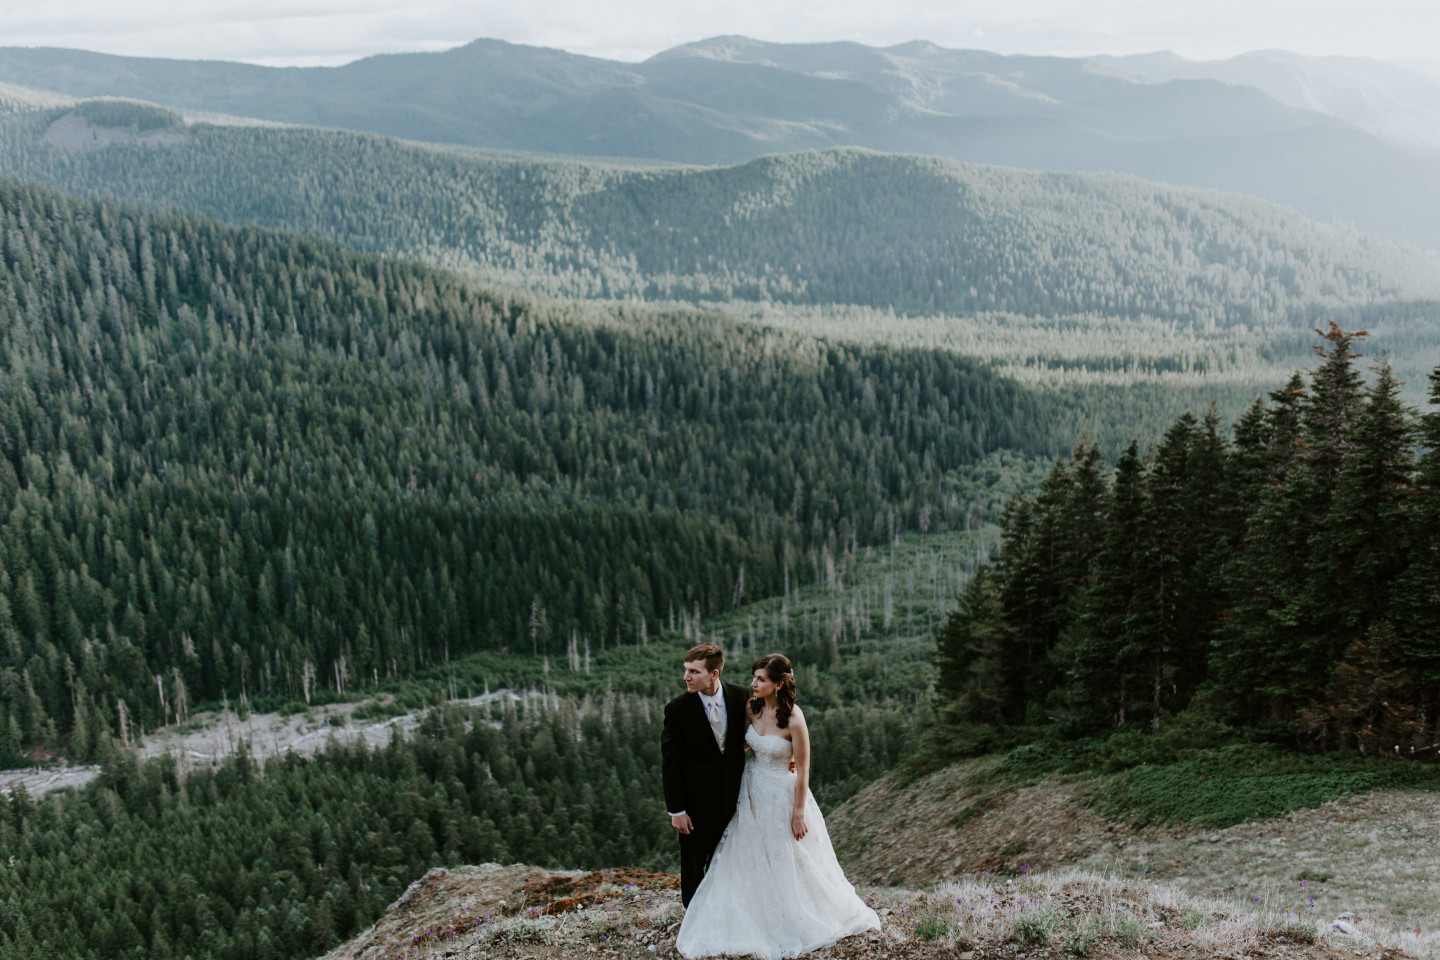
730 99
235 462
910 234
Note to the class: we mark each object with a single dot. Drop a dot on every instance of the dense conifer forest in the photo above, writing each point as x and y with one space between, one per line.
219 859
230 863
911 234
236 463
1280 580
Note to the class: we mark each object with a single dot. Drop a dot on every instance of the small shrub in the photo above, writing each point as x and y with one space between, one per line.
932 928
1080 942
1294 930
378 710
1191 920
1035 927
1316 876
521 931
1127 929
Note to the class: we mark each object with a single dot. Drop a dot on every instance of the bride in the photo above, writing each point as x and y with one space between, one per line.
774 888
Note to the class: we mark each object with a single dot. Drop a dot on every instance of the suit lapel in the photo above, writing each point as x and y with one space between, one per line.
704 722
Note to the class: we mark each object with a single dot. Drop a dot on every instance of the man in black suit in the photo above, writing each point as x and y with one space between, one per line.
702 749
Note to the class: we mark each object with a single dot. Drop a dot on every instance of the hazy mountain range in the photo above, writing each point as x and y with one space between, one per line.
1339 139
915 234
1383 98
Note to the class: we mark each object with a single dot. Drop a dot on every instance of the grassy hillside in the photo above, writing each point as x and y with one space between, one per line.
907 234
1333 840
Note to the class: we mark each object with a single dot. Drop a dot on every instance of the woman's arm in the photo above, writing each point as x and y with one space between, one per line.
800 747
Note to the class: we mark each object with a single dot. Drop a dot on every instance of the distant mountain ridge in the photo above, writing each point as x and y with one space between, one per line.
1383 98
731 99
917 235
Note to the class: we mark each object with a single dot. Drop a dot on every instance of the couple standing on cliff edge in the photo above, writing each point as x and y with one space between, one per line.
757 872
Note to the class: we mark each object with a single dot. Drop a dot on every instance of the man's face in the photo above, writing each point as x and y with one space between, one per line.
700 680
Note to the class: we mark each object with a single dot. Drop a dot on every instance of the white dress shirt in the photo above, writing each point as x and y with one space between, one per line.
714 705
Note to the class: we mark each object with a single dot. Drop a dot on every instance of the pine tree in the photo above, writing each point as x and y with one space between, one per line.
1256 678
1331 408
1108 641
1416 594
977 677
1361 545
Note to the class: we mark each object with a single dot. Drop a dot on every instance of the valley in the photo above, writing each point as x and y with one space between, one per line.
374 440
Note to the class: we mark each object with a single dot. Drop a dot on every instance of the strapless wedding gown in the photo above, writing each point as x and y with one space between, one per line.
767 894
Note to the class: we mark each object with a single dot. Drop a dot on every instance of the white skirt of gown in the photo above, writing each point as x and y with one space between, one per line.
767 894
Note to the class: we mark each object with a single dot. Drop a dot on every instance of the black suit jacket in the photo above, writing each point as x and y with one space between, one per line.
698 778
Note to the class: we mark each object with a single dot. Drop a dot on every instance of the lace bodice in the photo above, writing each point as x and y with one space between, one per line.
772 752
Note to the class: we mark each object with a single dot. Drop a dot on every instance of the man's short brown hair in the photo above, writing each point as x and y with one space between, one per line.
713 656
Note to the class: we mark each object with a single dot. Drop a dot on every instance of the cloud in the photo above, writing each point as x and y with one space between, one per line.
333 31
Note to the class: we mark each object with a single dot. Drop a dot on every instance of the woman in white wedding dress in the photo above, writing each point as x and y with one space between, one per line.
774 888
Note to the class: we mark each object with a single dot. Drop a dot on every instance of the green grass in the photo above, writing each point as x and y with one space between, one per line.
931 928
1230 785
1199 774
1034 928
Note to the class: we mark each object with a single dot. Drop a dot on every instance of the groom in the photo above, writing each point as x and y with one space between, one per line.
702 749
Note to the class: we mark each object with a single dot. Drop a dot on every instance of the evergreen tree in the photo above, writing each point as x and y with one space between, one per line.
1109 637
976 673
1361 546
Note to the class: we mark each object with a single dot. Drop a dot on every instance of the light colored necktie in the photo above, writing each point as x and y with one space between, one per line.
717 725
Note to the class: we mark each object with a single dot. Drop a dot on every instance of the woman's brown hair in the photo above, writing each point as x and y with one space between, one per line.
779 672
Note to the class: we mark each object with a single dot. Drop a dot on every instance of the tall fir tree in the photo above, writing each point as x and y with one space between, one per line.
1361 545
1416 594
1109 641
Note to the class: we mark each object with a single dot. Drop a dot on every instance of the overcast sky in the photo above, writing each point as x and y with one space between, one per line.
304 32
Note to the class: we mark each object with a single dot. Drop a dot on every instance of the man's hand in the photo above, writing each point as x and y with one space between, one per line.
682 823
